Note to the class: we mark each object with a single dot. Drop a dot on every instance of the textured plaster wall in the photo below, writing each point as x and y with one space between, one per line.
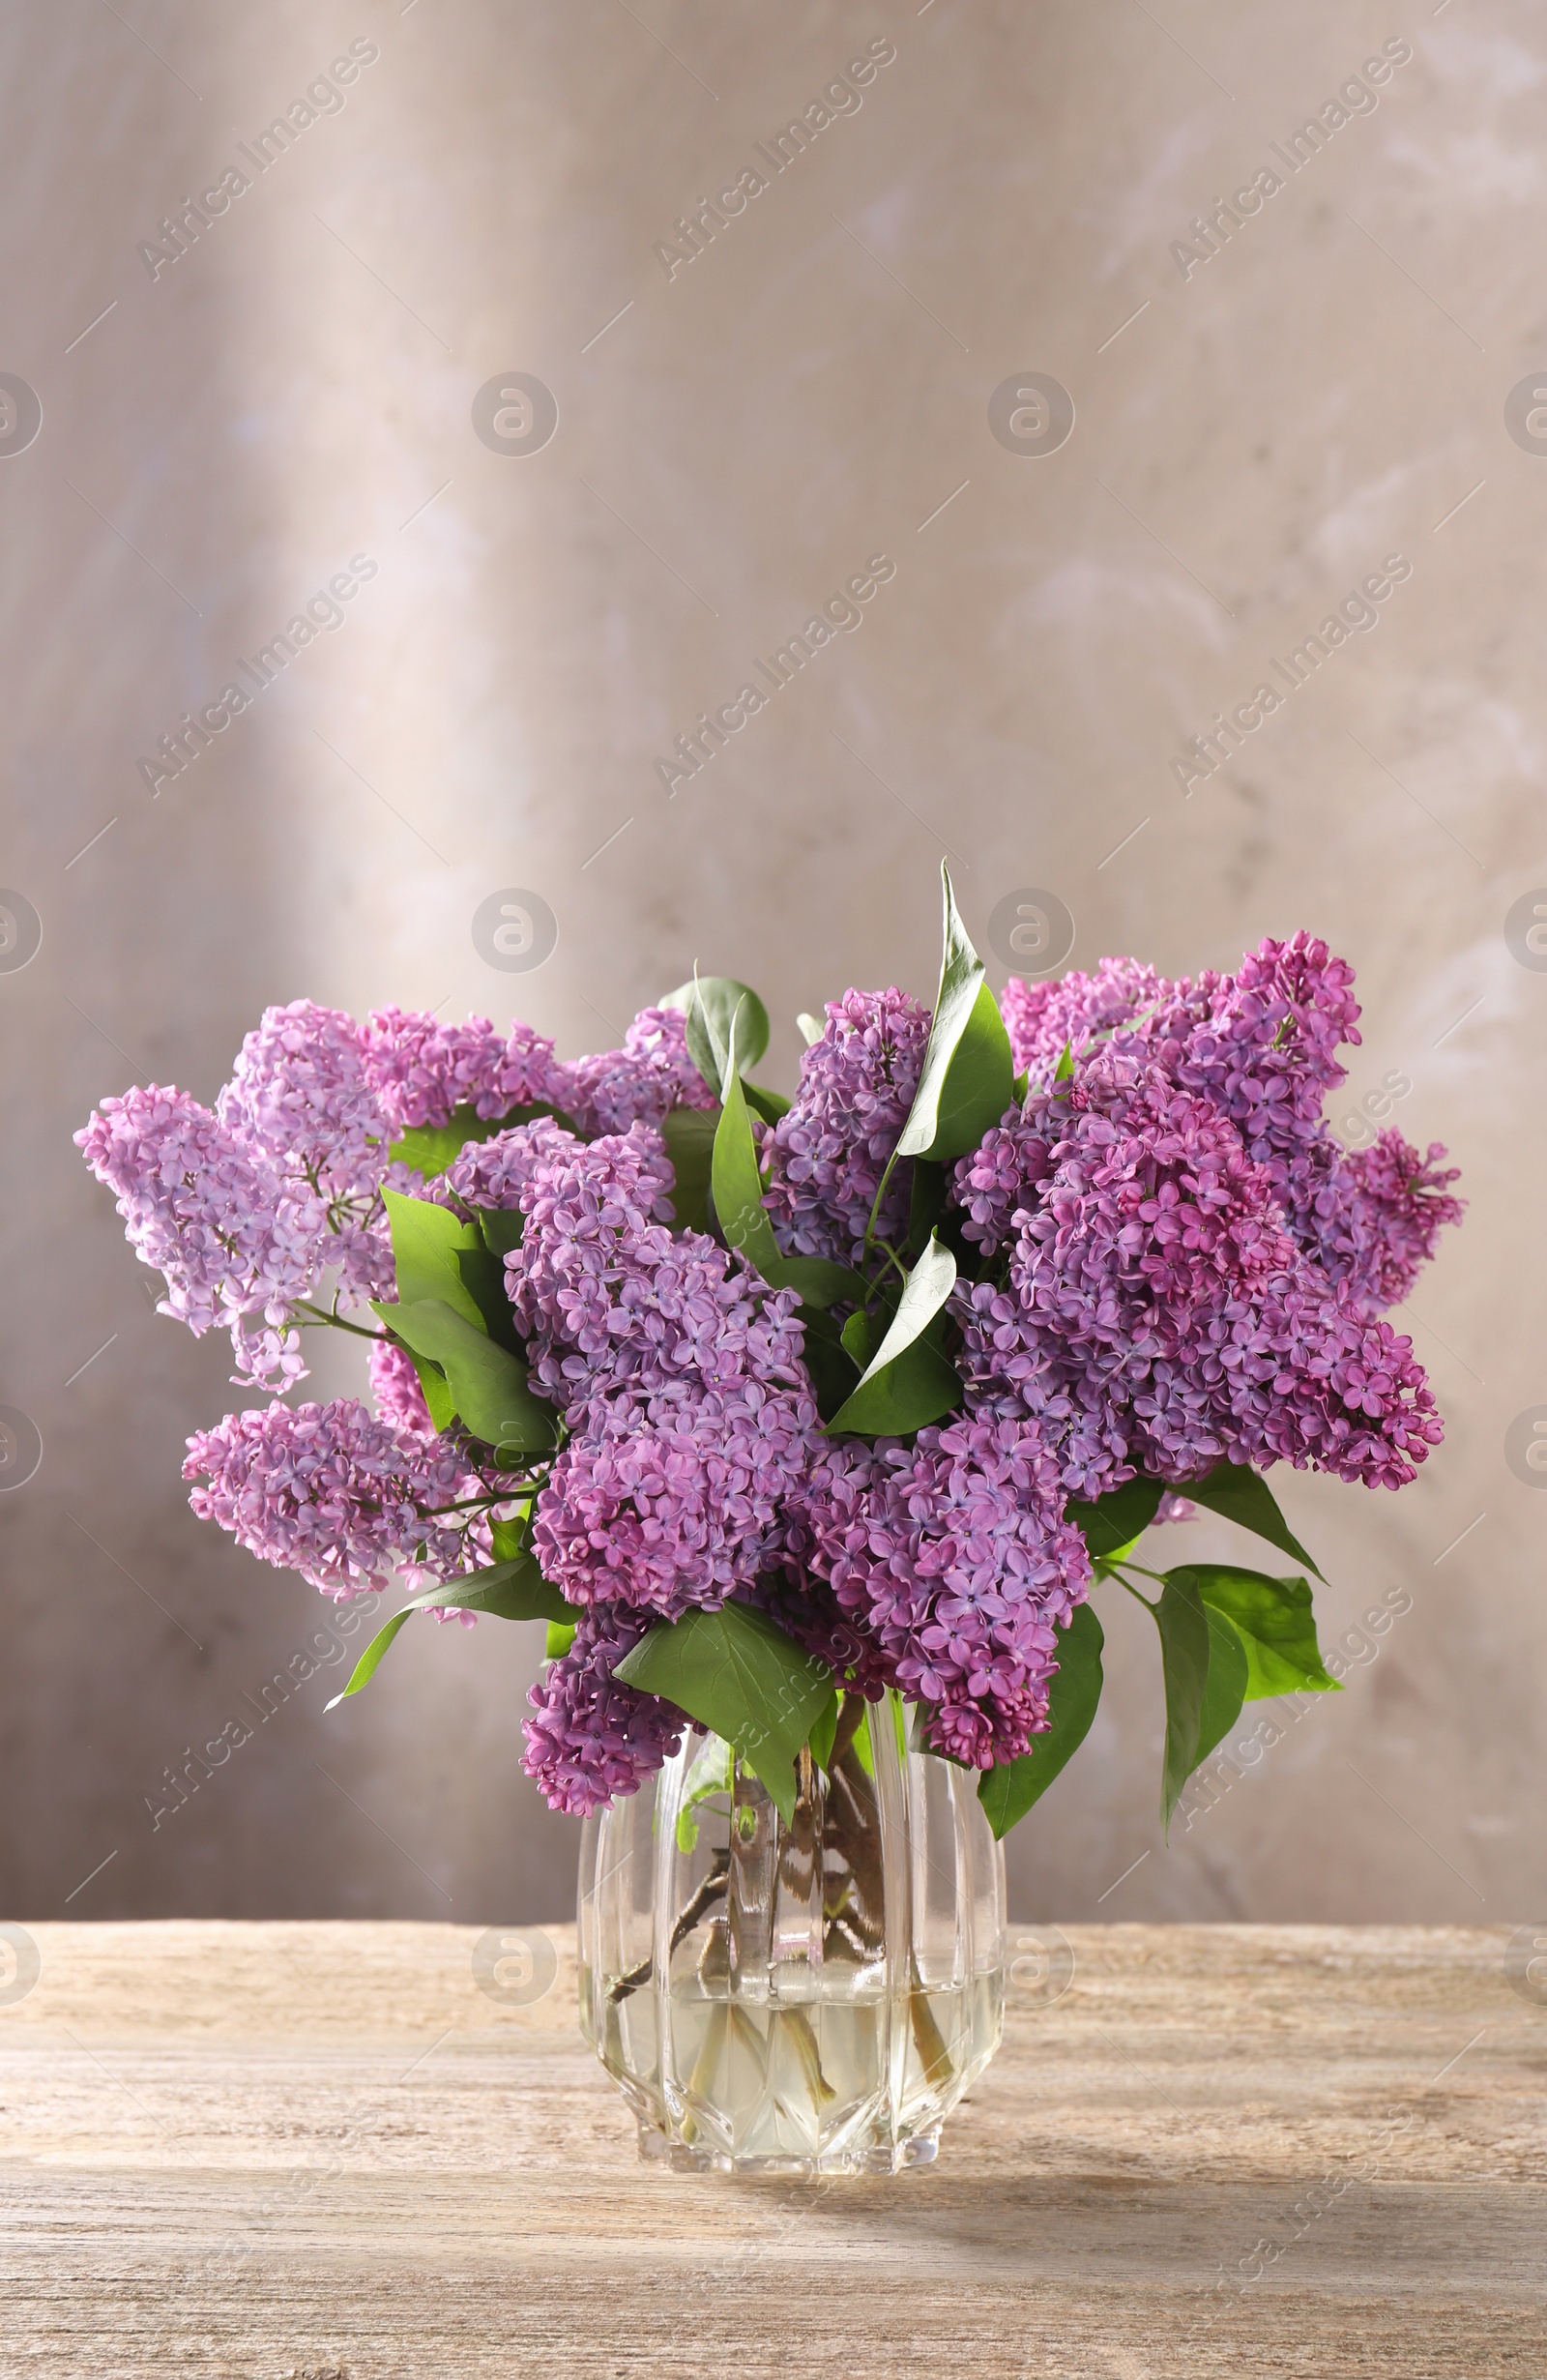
1252 436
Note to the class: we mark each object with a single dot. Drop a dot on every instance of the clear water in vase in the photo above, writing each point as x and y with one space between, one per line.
808 1998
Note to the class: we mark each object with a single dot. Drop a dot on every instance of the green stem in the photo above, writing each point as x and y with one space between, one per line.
337 1323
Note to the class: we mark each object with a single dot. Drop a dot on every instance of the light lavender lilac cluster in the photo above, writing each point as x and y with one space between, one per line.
1165 1261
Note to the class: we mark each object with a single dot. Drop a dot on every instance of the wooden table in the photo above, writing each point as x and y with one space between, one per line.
322 2151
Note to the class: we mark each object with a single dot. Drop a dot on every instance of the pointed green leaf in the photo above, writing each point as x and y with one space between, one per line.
824 1727
739 1676
707 1004
487 1384
964 1086
908 1382
1183 1630
1065 1064
1276 1626
1225 1686
738 1184
690 1137
427 1241
371 1661
1238 1493
1114 1521
437 1395
811 1027
769 1104
502 1228
1007 1792
560 1636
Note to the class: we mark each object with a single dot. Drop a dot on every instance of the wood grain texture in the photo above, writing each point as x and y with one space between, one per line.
247 2152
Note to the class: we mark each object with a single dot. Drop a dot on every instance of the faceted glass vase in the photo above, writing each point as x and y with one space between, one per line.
810 1998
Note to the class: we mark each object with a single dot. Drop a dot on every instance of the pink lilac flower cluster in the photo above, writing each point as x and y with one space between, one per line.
1166 1261
825 1157
328 1490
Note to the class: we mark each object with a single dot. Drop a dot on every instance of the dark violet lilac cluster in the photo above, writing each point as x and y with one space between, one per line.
1164 1261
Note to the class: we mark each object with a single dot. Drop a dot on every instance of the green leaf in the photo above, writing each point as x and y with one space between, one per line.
437 1395
811 1027
690 1137
489 1385
560 1636
708 1004
1276 1626
1007 1792
1238 1493
432 1147
482 1276
741 1677
427 1241
769 1104
502 1228
835 1375
1185 1649
1225 1687
964 1086
509 1537
508 1591
738 1184
908 1382
1065 1064
824 1727
1114 1521
816 1280
927 1203
371 1661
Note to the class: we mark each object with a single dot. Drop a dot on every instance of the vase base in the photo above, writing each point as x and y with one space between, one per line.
686 2156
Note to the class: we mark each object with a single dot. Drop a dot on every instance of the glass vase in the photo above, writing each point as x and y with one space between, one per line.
811 1997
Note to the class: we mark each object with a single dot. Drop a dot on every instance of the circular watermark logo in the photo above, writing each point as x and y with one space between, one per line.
1526 1964
1525 1446
20 1446
514 1965
1031 414
21 414
1038 1965
1031 932
514 930
1526 413
1524 929
515 413
21 1964
20 930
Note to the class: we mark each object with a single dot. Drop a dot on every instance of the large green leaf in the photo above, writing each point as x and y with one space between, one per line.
708 1006
437 1395
489 1385
739 1676
738 1184
1225 1687
1114 1521
1276 1626
1238 1493
1006 1793
769 1104
908 1382
508 1591
426 1243
1185 1648
816 1280
965 1083
690 1137
502 1228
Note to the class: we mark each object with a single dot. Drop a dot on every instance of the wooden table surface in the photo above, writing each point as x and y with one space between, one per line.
322 2151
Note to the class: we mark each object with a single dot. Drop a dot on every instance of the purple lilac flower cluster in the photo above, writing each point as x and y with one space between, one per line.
1165 1261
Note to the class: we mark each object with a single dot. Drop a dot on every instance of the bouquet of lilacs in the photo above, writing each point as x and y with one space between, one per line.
759 1403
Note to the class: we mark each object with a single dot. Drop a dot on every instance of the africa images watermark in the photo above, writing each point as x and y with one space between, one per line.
178 751
322 1650
1205 753
692 753
324 96
1209 234
843 95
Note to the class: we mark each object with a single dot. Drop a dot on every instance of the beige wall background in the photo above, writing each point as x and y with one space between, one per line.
1251 440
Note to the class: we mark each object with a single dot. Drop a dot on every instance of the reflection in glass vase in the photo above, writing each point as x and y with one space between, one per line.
803 1998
